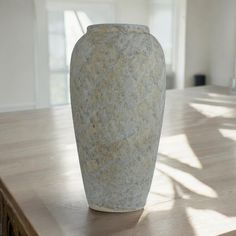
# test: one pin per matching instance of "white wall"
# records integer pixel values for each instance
(222, 41)
(42, 98)
(132, 11)
(211, 40)
(197, 39)
(16, 54)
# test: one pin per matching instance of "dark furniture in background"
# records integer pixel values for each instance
(199, 80)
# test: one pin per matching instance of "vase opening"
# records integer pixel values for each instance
(126, 28)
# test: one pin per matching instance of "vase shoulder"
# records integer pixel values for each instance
(125, 28)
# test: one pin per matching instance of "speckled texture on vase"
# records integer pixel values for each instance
(117, 95)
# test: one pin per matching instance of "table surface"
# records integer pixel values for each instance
(194, 185)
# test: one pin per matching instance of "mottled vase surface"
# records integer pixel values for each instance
(117, 95)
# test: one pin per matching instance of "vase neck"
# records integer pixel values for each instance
(123, 28)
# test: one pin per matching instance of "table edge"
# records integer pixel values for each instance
(7, 196)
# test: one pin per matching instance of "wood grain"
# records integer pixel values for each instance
(12, 219)
(194, 186)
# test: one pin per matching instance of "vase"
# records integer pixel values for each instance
(117, 83)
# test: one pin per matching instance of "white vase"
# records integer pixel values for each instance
(117, 97)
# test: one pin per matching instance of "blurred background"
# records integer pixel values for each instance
(37, 38)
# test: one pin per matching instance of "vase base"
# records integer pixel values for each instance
(104, 209)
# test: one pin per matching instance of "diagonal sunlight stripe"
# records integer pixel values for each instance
(210, 222)
(188, 181)
(228, 133)
(180, 150)
(211, 110)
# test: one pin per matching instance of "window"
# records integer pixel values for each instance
(65, 27)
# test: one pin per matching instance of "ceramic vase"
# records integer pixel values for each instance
(117, 82)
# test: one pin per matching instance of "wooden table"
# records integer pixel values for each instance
(194, 185)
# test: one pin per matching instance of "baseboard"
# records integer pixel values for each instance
(17, 107)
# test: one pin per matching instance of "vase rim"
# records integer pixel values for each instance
(125, 28)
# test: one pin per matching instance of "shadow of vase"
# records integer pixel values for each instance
(103, 223)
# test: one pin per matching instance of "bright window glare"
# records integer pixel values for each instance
(73, 32)
(65, 28)
(84, 19)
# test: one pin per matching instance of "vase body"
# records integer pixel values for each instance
(117, 83)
